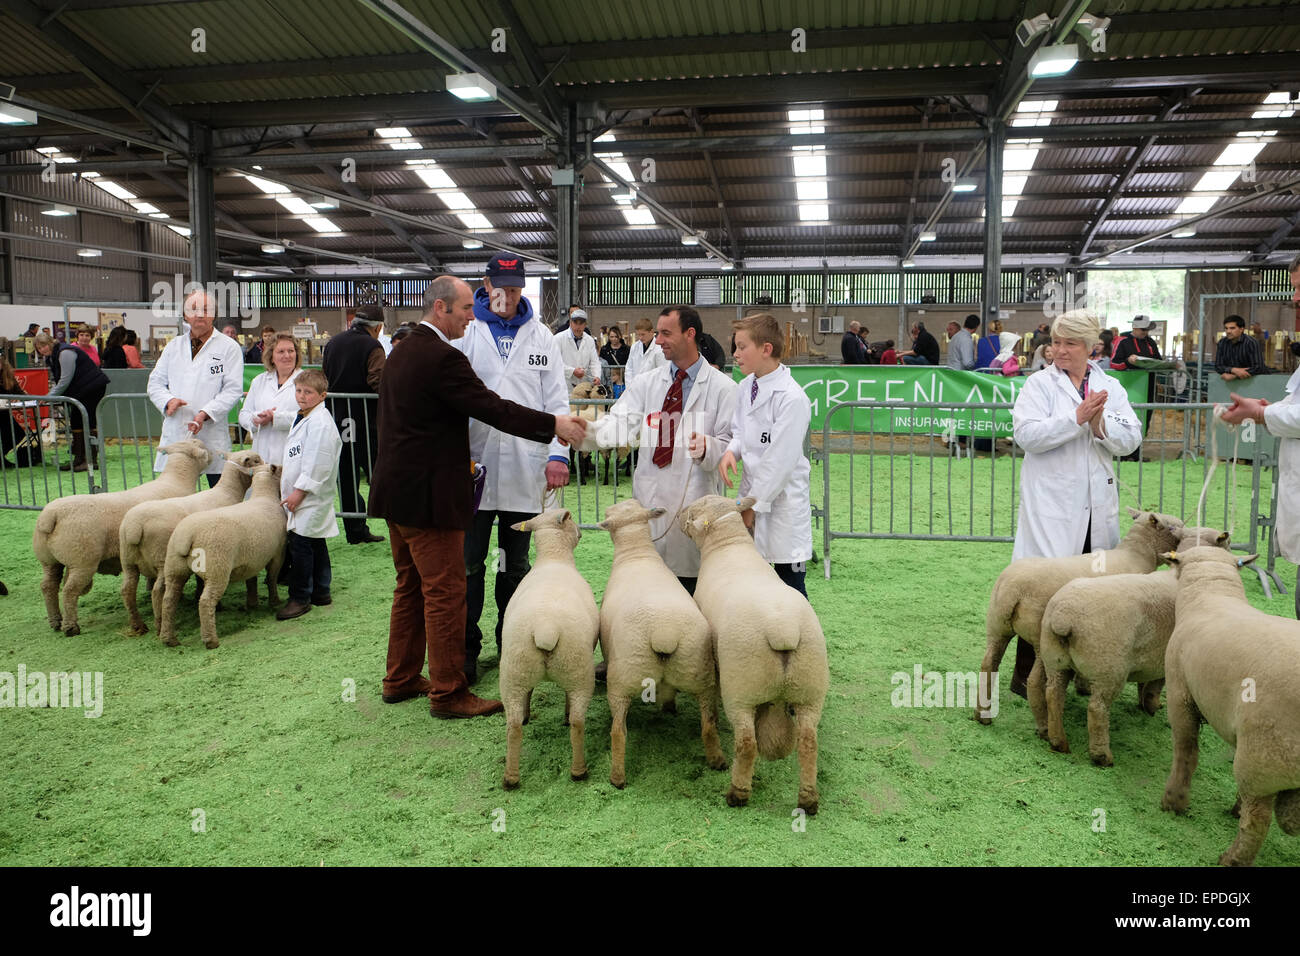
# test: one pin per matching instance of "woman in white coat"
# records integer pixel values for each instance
(1070, 419)
(199, 378)
(270, 407)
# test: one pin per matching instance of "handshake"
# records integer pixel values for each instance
(570, 429)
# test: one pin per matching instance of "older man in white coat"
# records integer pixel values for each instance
(1282, 420)
(1071, 419)
(199, 378)
(578, 351)
(682, 412)
(516, 356)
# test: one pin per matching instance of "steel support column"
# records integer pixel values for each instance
(994, 145)
(566, 216)
(203, 207)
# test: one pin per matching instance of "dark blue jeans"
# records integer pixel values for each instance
(511, 564)
(309, 578)
(914, 360)
(792, 577)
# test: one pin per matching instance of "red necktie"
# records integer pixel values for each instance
(663, 456)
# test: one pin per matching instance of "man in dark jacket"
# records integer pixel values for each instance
(852, 349)
(924, 350)
(1139, 343)
(353, 362)
(423, 488)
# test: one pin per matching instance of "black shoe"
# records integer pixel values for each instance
(366, 538)
(323, 601)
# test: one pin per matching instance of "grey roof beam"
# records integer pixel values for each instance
(516, 172)
(1269, 245)
(733, 237)
(529, 62)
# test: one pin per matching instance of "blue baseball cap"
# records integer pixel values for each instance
(506, 270)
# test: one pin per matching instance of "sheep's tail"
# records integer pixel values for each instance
(179, 545)
(545, 636)
(1001, 612)
(132, 534)
(664, 639)
(774, 728)
(1287, 810)
(46, 521)
(1054, 638)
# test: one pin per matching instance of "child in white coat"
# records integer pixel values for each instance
(311, 465)
(767, 434)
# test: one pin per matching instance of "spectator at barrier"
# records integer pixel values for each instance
(230, 332)
(85, 341)
(311, 463)
(578, 351)
(76, 376)
(873, 353)
(353, 362)
(132, 349)
(15, 436)
(888, 354)
(924, 350)
(421, 489)
(1237, 356)
(645, 354)
(401, 332)
(853, 350)
(1281, 419)
(271, 406)
(767, 435)
(1042, 357)
(257, 351)
(989, 346)
(1103, 350)
(961, 344)
(1070, 420)
(515, 356)
(614, 356)
(114, 354)
(198, 379)
(1042, 336)
(1139, 343)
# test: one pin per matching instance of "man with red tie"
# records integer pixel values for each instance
(680, 415)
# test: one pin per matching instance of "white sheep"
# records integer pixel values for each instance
(146, 529)
(588, 391)
(79, 533)
(1023, 589)
(1238, 670)
(549, 633)
(1110, 631)
(227, 544)
(769, 644)
(652, 635)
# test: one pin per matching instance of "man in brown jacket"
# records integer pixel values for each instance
(423, 488)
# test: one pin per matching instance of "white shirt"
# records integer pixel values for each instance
(212, 381)
(1282, 419)
(578, 355)
(642, 359)
(266, 392)
(311, 463)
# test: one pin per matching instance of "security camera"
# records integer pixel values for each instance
(1030, 28)
(7, 92)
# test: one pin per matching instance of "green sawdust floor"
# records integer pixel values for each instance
(258, 736)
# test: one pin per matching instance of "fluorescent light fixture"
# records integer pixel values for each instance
(159, 215)
(804, 116)
(323, 202)
(908, 264)
(393, 132)
(1239, 154)
(405, 144)
(814, 212)
(57, 210)
(800, 130)
(179, 230)
(605, 137)
(113, 189)
(266, 185)
(624, 194)
(1196, 204)
(1036, 106)
(810, 189)
(60, 158)
(90, 253)
(321, 224)
(1281, 96)
(456, 200)
(272, 249)
(89, 174)
(1216, 181)
(927, 237)
(690, 239)
(396, 272)
(436, 178)
(1185, 233)
(1054, 60)
(299, 207)
(145, 207)
(47, 149)
(471, 244)
(727, 266)
(471, 87)
(11, 115)
(810, 165)
(1103, 261)
(474, 220)
(640, 216)
(965, 186)
(244, 273)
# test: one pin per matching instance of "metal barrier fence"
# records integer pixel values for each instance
(916, 488)
(36, 452)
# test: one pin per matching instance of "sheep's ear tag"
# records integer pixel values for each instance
(522, 526)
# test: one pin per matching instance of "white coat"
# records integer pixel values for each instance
(533, 376)
(578, 356)
(768, 437)
(212, 381)
(641, 359)
(265, 392)
(311, 462)
(1282, 420)
(708, 410)
(1067, 478)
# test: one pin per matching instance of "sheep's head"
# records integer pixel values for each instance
(626, 512)
(583, 390)
(1161, 531)
(239, 468)
(701, 515)
(189, 448)
(556, 521)
(266, 480)
(1203, 557)
(1190, 538)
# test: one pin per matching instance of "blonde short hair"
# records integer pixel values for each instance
(762, 328)
(268, 355)
(1078, 324)
(644, 325)
(312, 378)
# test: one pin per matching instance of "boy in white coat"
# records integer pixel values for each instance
(311, 465)
(767, 434)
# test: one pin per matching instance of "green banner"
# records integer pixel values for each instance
(828, 385)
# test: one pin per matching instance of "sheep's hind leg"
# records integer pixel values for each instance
(713, 754)
(618, 706)
(1185, 722)
(576, 704)
(516, 715)
(742, 767)
(171, 600)
(77, 584)
(997, 646)
(1103, 695)
(212, 591)
(1057, 682)
(157, 591)
(50, 580)
(130, 598)
(805, 719)
(1256, 814)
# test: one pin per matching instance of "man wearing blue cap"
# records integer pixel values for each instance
(515, 356)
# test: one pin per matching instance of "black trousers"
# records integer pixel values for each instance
(510, 563)
(788, 574)
(357, 456)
